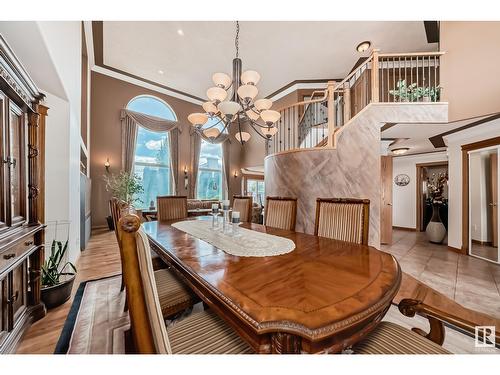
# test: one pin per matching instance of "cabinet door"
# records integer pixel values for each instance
(3, 309)
(16, 164)
(3, 155)
(18, 291)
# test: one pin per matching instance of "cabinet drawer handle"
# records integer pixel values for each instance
(9, 256)
(28, 243)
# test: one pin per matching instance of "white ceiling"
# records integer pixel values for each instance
(416, 136)
(280, 51)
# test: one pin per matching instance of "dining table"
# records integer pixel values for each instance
(322, 297)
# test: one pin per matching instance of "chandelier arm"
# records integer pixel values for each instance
(217, 123)
(258, 132)
(259, 125)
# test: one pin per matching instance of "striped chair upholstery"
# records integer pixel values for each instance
(243, 205)
(391, 338)
(281, 213)
(198, 334)
(172, 207)
(344, 219)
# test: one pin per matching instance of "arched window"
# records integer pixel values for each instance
(152, 151)
(210, 182)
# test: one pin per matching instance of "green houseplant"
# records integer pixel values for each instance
(412, 92)
(54, 290)
(124, 186)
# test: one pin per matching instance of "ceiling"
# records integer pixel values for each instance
(417, 136)
(281, 52)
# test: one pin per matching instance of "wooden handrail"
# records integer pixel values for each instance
(412, 54)
(340, 85)
(304, 102)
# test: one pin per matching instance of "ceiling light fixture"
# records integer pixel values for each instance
(241, 107)
(363, 46)
(400, 150)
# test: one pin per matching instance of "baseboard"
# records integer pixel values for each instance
(404, 228)
(457, 250)
(483, 243)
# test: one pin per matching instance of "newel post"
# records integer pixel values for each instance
(374, 76)
(331, 111)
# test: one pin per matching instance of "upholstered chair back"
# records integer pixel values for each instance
(281, 212)
(243, 205)
(147, 325)
(172, 207)
(115, 207)
(344, 219)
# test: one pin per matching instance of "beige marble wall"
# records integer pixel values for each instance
(350, 169)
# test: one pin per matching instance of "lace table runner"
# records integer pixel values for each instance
(248, 243)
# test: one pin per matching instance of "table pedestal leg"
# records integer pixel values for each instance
(285, 343)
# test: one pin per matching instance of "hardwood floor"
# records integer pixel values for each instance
(102, 259)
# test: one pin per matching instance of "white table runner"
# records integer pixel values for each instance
(248, 243)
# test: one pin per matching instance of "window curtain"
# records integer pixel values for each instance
(195, 161)
(173, 139)
(226, 157)
(130, 120)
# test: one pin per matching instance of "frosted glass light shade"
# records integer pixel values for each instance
(269, 131)
(210, 108)
(216, 94)
(221, 80)
(198, 119)
(254, 116)
(211, 133)
(242, 137)
(269, 116)
(250, 77)
(247, 92)
(229, 108)
(263, 104)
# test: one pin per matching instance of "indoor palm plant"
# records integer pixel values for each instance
(56, 291)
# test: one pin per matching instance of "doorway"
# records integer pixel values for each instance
(483, 203)
(428, 173)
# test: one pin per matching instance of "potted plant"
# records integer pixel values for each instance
(124, 186)
(54, 290)
(405, 93)
(435, 230)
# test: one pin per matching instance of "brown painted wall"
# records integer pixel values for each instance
(108, 97)
(470, 68)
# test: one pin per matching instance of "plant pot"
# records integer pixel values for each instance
(111, 225)
(56, 295)
(435, 231)
(426, 99)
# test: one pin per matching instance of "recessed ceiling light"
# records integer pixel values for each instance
(160, 71)
(363, 46)
(400, 150)
(180, 32)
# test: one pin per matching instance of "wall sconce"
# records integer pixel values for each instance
(235, 174)
(186, 178)
(107, 165)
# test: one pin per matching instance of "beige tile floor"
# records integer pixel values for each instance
(473, 283)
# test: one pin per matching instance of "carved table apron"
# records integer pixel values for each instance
(323, 297)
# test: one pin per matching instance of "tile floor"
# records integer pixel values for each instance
(473, 283)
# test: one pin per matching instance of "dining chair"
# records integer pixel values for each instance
(281, 213)
(174, 295)
(172, 207)
(199, 333)
(344, 219)
(243, 205)
(392, 338)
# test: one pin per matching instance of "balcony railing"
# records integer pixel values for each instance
(390, 77)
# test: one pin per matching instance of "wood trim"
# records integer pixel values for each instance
(299, 81)
(456, 250)
(404, 228)
(419, 196)
(432, 31)
(465, 185)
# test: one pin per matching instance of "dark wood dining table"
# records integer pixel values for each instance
(324, 296)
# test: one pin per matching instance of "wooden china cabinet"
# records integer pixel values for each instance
(22, 132)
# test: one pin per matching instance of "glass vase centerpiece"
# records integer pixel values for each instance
(235, 222)
(225, 215)
(215, 216)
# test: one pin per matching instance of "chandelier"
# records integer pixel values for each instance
(241, 107)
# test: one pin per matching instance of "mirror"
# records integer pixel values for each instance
(483, 203)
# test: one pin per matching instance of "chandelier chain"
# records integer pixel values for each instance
(237, 39)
